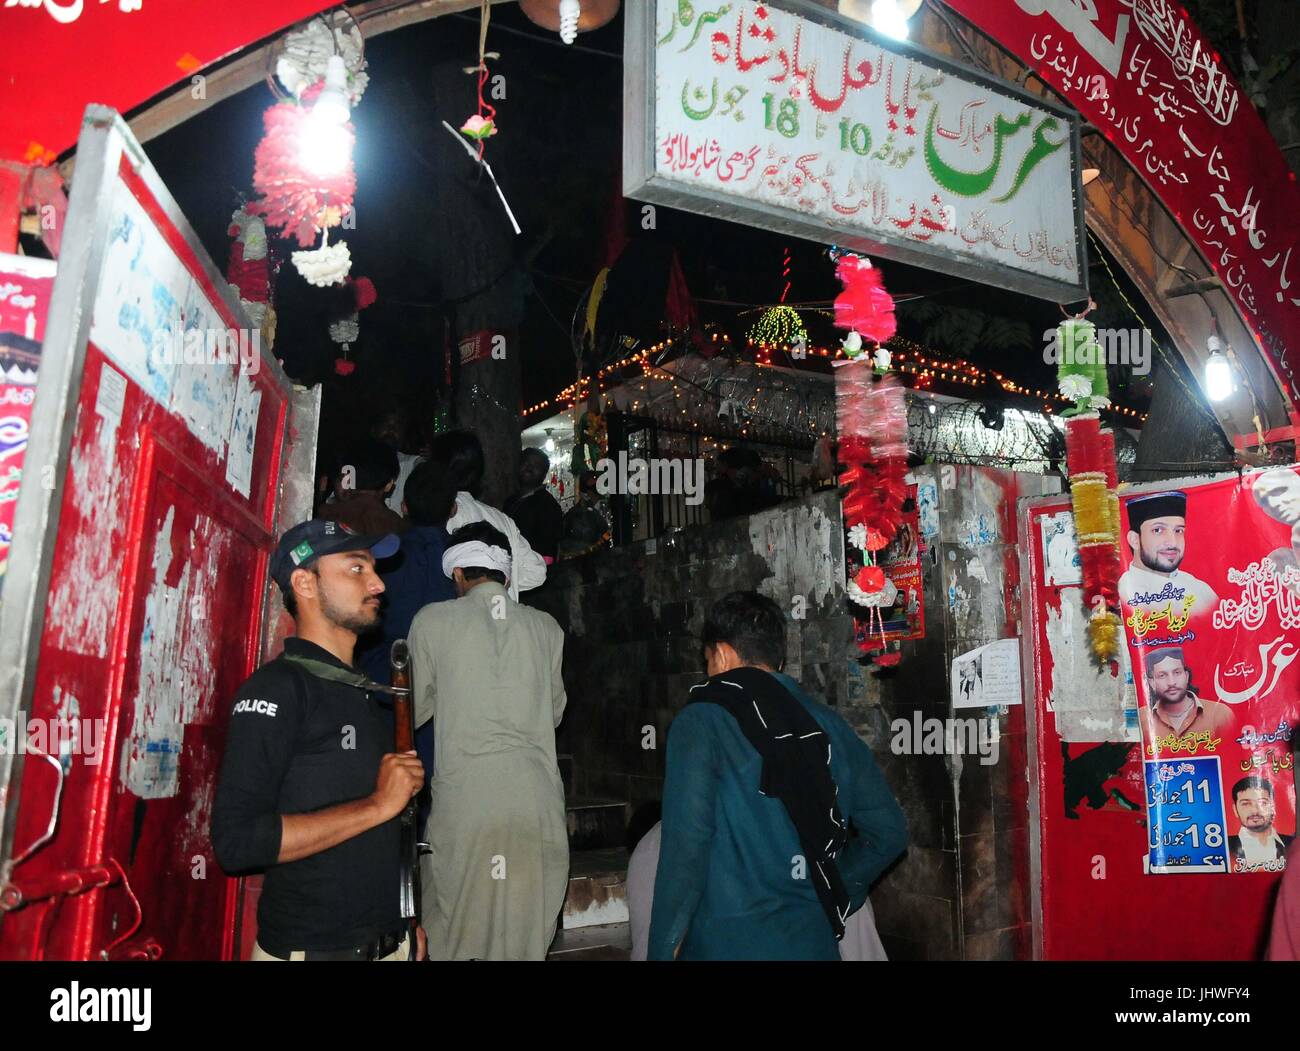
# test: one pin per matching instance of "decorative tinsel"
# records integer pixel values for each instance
(872, 424)
(1090, 461)
(1090, 457)
(864, 306)
(1081, 369)
(779, 325)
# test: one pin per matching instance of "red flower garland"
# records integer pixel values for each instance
(294, 200)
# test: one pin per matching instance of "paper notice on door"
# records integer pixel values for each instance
(987, 676)
(243, 436)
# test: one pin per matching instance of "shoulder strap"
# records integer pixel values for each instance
(795, 771)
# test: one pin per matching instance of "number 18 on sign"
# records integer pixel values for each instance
(1185, 816)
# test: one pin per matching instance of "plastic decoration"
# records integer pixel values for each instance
(298, 202)
(872, 425)
(864, 306)
(307, 52)
(1081, 368)
(327, 265)
(1090, 459)
(249, 271)
(346, 327)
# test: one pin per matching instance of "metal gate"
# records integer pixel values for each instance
(134, 603)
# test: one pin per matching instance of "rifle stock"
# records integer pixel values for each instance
(404, 741)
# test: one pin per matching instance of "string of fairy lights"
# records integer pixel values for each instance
(911, 359)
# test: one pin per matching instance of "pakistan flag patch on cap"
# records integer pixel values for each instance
(300, 552)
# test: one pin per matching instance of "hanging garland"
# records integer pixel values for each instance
(482, 124)
(871, 417)
(1090, 463)
(249, 271)
(303, 170)
(299, 199)
(346, 327)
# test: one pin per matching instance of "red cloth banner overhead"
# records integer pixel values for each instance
(1142, 72)
(1210, 598)
(61, 55)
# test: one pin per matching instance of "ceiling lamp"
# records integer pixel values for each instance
(1218, 372)
(570, 17)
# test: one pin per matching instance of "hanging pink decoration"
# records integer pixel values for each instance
(294, 198)
(864, 306)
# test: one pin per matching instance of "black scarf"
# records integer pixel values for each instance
(796, 770)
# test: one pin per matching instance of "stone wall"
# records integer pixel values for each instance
(632, 617)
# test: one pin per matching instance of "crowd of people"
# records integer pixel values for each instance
(775, 817)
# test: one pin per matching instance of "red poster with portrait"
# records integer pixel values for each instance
(1210, 599)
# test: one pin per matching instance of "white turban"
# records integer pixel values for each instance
(475, 553)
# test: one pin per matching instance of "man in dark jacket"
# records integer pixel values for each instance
(310, 788)
(535, 511)
(776, 818)
(363, 482)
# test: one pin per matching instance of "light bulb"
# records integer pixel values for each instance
(324, 146)
(332, 103)
(1218, 377)
(570, 12)
(886, 17)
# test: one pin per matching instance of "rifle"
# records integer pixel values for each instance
(399, 659)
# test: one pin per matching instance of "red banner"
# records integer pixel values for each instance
(1143, 73)
(61, 55)
(25, 286)
(1211, 605)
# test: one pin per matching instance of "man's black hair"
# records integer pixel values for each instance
(373, 465)
(752, 624)
(461, 453)
(489, 535)
(532, 451)
(429, 494)
(1246, 784)
(290, 598)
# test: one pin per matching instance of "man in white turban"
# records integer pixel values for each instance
(486, 670)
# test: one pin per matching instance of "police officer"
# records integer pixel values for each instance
(310, 789)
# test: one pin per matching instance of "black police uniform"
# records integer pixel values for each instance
(299, 743)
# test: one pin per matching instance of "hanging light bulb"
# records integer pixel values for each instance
(570, 12)
(332, 103)
(1218, 372)
(325, 145)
